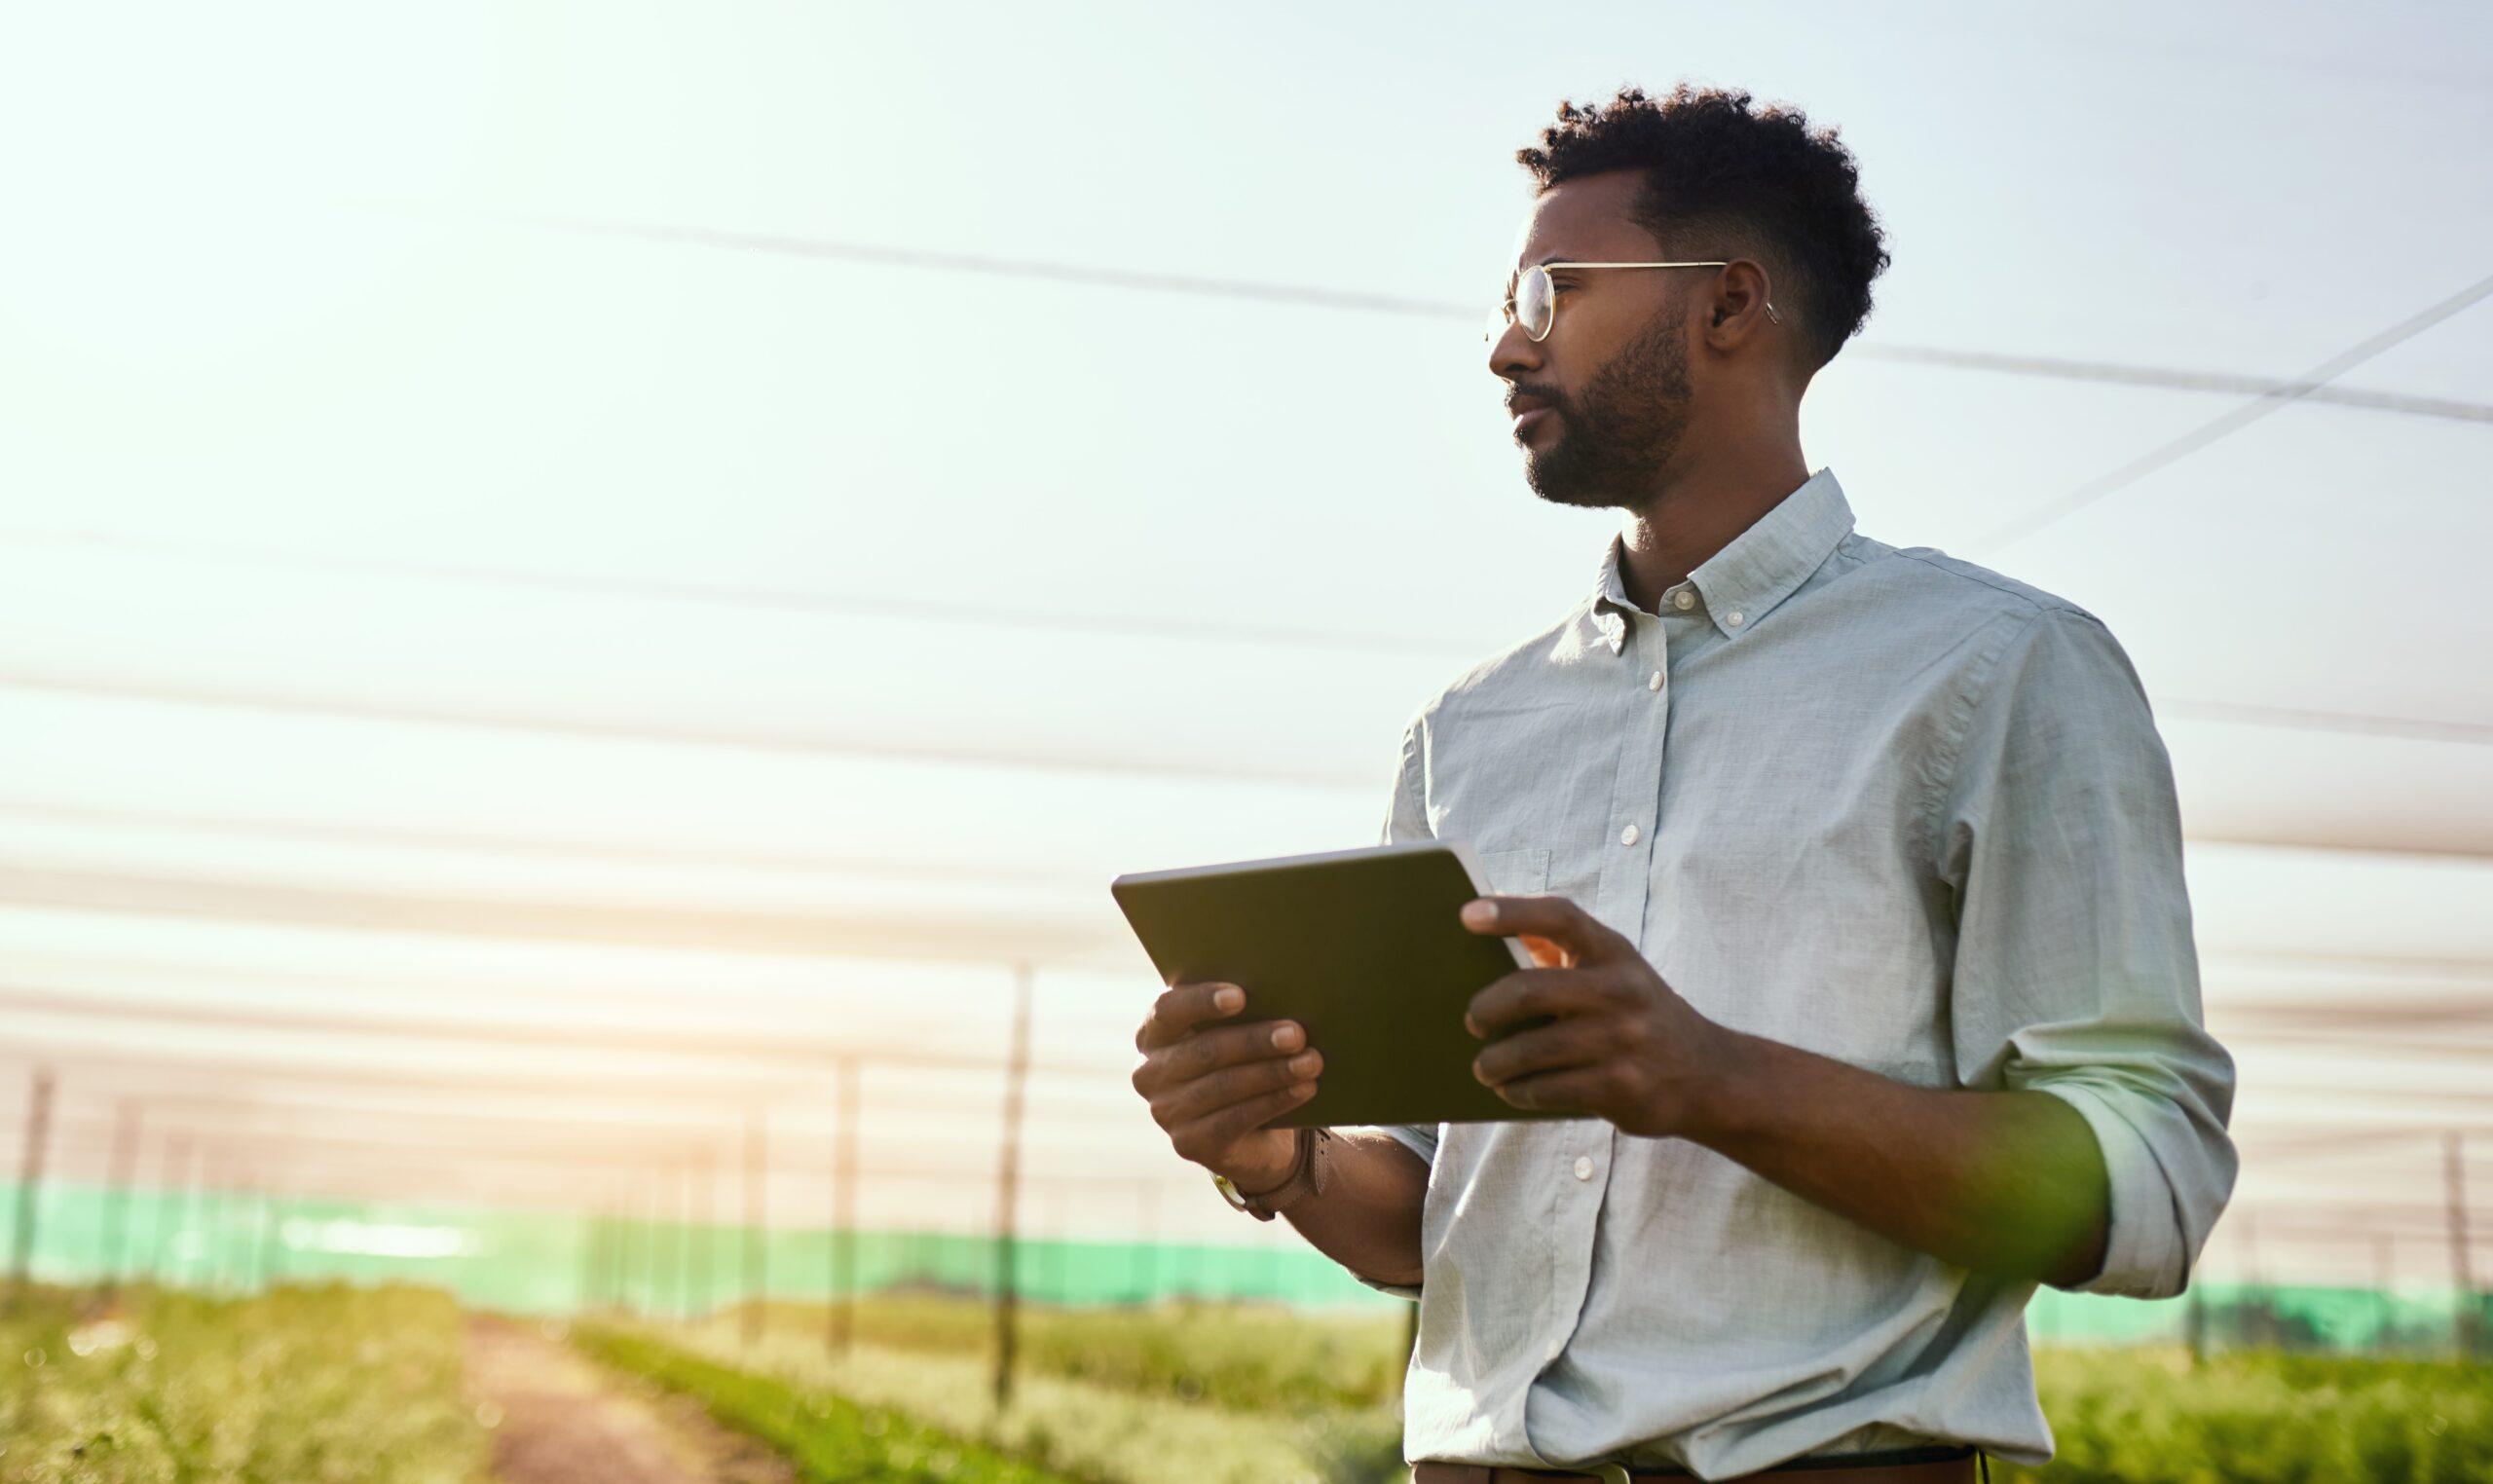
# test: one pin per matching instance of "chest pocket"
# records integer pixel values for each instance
(1515, 873)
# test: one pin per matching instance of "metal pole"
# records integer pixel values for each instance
(169, 1202)
(757, 1256)
(113, 1247)
(843, 1216)
(1008, 1177)
(2385, 1276)
(627, 1243)
(669, 1299)
(220, 1205)
(30, 1184)
(1146, 1246)
(2463, 1317)
(169, 1176)
(591, 1240)
(264, 1258)
(698, 1287)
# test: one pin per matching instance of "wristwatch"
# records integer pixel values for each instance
(1307, 1173)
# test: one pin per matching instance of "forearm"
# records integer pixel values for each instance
(2001, 1182)
(1368, 1217)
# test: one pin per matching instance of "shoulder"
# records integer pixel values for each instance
(1933, 575)
(1510, 674)
(1990, 619)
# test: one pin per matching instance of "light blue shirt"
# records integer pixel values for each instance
(1878, 803)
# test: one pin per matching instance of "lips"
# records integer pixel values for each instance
(1526, 418)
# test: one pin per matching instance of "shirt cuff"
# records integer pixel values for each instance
(2143, 1254)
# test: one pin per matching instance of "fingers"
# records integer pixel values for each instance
(1203, 1051)
(1202, 1096)
(1527, 1054)
(1553, 918)
(1532, 994)
(1209, 1136)
(1572, 1091)
(1182, 1008)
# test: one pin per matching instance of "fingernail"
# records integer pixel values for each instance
(1284, 1036)
(1305, 1063)
(1230, 998)
(1479, 912)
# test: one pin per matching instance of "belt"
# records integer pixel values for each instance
(1945, 1464)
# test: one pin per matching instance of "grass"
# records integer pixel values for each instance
(1080, 1428)
(2146, 1417)
(300, 1385)
(828, 1436)
(1247, 1356)
(1304, 1388)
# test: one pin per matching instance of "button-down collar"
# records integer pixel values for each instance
(1759, 568)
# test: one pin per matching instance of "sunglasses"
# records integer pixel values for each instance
(1534, 304)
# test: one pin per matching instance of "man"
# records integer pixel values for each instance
(1854, 878)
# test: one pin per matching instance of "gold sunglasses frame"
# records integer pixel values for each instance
(1505, 312)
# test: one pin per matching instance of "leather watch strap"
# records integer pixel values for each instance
(1308, 1175)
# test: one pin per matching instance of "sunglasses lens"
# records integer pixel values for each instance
(1533, 302)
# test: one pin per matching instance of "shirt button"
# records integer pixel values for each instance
(1628, 837)
(1683, 600)
(1583, 1168)
(1655, 683)
(1732, 618)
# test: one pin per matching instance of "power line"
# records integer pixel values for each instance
(988, 749)
(2159, 378)
(838, 931)
(914, 611)
(604, 853)
(994, 752)
(2269, 402)
(682, 1041)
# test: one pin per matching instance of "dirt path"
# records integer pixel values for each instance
(560, 1420)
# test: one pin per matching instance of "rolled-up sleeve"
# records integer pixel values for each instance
(2075, 973)
(1405, 819)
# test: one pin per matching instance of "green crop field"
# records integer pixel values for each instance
(319, 1386)
(309, 1385)
(1302, 1395)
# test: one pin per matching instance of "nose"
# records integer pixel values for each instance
(1513, 354)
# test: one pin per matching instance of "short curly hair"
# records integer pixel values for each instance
(1721, 180)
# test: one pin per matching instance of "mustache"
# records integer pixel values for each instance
(1548, 397)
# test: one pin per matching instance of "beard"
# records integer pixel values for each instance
(1616, 439)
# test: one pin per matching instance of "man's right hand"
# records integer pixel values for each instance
(1212, 1085)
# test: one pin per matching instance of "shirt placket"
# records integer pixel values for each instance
(1587, 1153)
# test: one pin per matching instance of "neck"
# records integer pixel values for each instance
(1702, 505)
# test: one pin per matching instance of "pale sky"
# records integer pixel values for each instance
(889, 612)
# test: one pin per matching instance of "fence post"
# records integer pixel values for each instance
(843, 1216)
(756, 1253)
(1006, 1178)
(2464, 1316)
(30, 1184)
(114, 1247)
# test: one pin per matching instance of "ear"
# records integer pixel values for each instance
(1742, 304)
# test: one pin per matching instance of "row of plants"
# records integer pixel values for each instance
(1077, 1427)
(319, 1386)
(1307, 1386)
(827, 1436)
(1255, 1358)
(2150, 1417)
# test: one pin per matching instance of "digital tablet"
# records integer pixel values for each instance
(1364, 950)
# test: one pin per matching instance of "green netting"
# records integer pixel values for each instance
(540, 1263)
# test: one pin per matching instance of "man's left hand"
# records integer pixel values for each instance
(1618, 1044)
